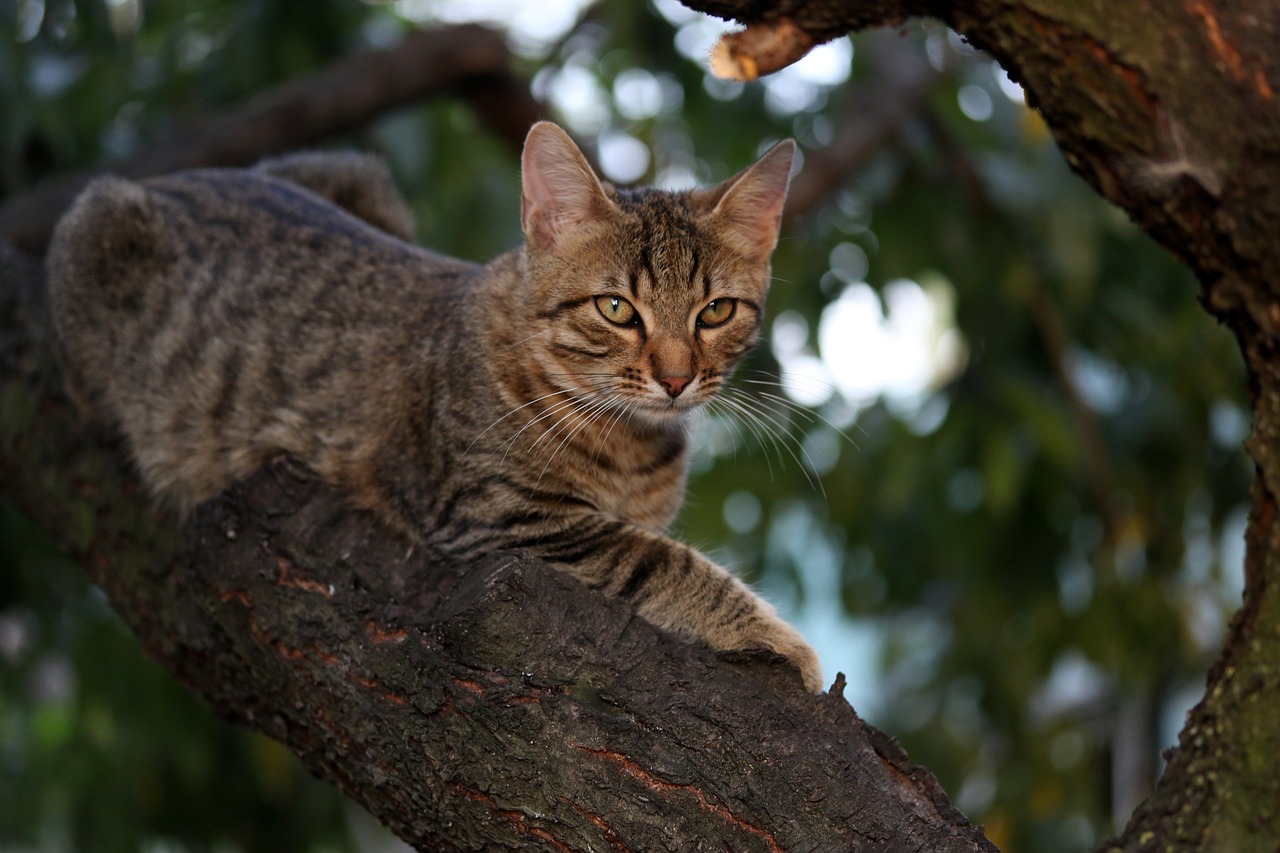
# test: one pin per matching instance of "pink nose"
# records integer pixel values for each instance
(674, 384)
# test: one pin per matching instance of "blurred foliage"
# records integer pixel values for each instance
(1023, 553)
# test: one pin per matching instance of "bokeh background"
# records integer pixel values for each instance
(988, 457)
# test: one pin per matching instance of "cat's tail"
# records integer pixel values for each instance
(359, 183)
(103, 253)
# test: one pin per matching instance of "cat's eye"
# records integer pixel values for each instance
(717, 313)
(617, 310)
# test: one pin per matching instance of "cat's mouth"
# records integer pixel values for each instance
(669, 408)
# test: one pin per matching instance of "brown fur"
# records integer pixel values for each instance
(220, 317)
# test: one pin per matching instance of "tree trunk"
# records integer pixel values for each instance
(1170, 111)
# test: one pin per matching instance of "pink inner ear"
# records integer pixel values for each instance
(561, 193)
(751, 208)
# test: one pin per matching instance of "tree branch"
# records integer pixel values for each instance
(499, 705)
(469, 61)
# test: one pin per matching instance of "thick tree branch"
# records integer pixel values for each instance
(470, 62)
(1113, 84)
(500, 705)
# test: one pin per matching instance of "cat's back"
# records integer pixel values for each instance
(220, 252)
(215, 316)
(120, 234)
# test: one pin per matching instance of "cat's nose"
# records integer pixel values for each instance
(674, 384)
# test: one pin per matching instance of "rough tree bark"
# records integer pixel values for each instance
(502, 706)
(1169, 110)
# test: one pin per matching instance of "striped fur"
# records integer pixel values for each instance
(220, 317)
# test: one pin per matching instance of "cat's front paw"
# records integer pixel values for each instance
(772, 633)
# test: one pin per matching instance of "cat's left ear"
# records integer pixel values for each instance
(750, 206)
(561, 193)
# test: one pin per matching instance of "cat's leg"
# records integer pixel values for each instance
(359, 183)
(675, 587)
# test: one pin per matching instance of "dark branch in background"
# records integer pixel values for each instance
(470, 62)
(1135, 753)
(1046, 316)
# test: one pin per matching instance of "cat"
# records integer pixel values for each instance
(220, 317)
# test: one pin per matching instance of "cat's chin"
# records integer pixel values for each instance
(666, 414)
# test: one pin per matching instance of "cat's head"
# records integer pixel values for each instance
(646, 298)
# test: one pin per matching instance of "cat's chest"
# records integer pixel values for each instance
(640, 481)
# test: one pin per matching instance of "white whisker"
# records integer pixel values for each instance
(526, 340)
(532, 402)
(809, 414)
(806, 464)
(588, 416)
(799, 408)
(623, 411)
(763, 433)
(552, 412)
(730, 418)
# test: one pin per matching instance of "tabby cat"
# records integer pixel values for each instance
(540, 402)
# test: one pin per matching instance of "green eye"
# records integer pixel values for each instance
(617, 310)
(717, 312)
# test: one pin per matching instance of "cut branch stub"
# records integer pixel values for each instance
(759, 49)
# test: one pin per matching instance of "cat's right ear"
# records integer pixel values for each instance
(561, 192)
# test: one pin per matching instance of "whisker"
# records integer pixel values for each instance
(549, 413)
(623, 411)
(517, 409)
(809, 414)
(747, 405)
(588, 416)
(799, 408)
(568, 426)
(526, 340)
(763, 435)
(595, 391)
(732, 422)
(807, 380)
